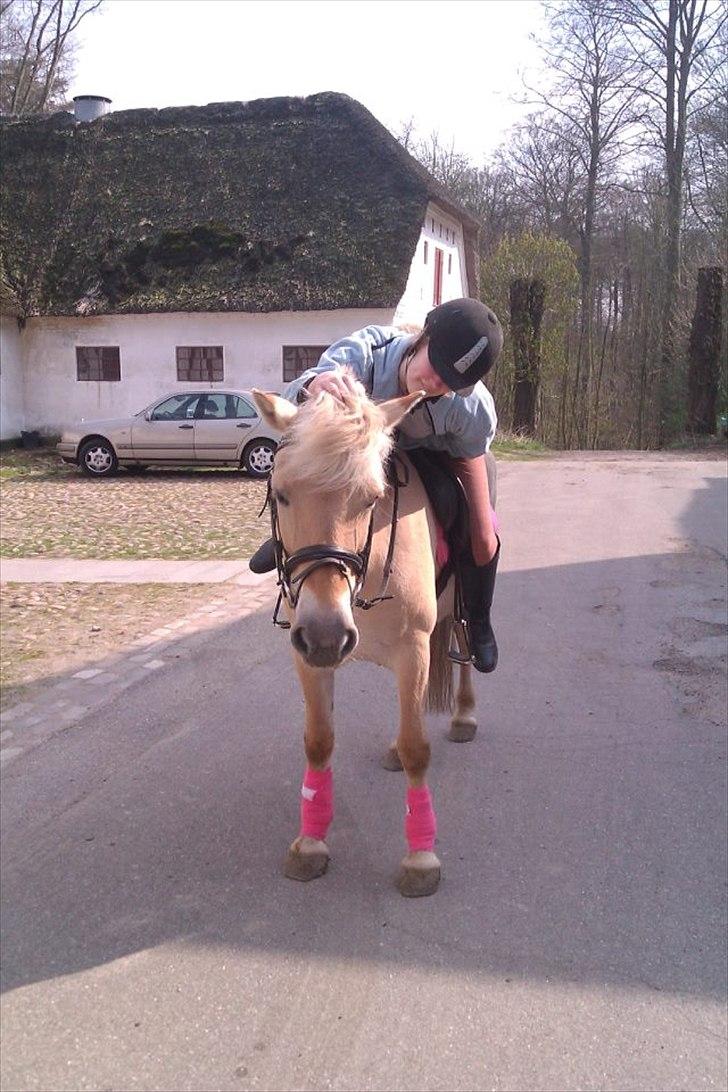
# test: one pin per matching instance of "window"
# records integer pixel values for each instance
(298, 358)
(437, 290)
(181, 407)
(100, 364)
(425, 251)
(240, 407)
(223, 407)
(199, 364)
(449, 264)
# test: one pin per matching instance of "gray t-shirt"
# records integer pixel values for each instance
(462, 426)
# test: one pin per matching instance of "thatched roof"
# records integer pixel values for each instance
(273, 205)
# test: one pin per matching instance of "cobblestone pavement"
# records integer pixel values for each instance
(160, 514)
(28, 724)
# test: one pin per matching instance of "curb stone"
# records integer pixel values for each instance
(32, 722)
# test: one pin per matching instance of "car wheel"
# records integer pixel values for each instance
(97, 458)
(258, 458)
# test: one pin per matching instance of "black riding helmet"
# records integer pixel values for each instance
(465, 340)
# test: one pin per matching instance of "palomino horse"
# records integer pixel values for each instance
(333, 522)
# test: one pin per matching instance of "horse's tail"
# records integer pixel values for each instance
(439, 683)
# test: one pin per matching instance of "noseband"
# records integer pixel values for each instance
(353, 565)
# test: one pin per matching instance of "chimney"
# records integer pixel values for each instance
(90, 107)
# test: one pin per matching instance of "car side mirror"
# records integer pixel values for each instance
(148, 415)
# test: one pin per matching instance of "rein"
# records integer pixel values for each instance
(353, 565)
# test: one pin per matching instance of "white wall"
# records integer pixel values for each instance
(442, 231)
(12, 417)
(252, 352)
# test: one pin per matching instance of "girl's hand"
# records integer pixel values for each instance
(340, 384)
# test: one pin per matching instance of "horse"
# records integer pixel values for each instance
(347, 539)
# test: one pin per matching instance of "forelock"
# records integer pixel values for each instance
(331, 446)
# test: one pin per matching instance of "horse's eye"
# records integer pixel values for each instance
(281, 498)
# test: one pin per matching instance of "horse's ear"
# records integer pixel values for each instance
(278, 412)
(396, 408)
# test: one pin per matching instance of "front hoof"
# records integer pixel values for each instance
(391, 760)
(463, 730)
(419, 875)
(307, 859)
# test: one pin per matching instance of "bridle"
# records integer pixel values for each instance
(352, 564)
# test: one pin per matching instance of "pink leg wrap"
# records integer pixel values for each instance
(420, 824)
(317, 803)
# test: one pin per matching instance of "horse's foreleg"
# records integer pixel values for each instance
(420, 869)
(308, 856)
(463, 725)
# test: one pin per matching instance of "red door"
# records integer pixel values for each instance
(437, 294)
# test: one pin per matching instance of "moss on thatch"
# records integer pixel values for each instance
(279, 204)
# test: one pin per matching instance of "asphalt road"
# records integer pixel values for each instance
(578, 937)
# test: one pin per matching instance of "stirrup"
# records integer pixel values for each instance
(453, 651)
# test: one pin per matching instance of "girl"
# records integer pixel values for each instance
(460, 342)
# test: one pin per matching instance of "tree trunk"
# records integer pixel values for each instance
(527, 303)
(705, 337)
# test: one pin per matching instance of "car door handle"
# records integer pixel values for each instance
(243, 425)
(185, 426)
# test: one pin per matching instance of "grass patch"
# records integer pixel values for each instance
(52, 630)
(690, 442)
(512, 446)
(17, 462)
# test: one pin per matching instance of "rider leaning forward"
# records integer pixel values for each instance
(460, 342)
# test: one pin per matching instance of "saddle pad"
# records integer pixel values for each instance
(442, 548)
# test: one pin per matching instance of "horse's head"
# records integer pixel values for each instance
(327, 477)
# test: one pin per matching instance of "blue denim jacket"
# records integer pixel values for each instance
(462, 426)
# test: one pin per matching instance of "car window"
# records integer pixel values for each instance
(211, 407)
(180, 407)
(218, 406)
(240, 407)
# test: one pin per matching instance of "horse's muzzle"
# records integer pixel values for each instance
(324, 642)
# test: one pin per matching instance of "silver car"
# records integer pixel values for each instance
(196, 428)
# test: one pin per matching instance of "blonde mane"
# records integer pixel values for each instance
(332, 446)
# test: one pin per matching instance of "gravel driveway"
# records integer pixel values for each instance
(51, 511)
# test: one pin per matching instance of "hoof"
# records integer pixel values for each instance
(463, 731)
(419, 875)
(391, 760)
(307, 859)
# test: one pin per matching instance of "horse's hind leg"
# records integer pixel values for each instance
(308, 856)
(420, 869)
(463, 725)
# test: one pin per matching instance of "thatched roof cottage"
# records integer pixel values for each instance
(227, 243)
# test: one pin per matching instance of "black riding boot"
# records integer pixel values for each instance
(478, 582)
(264, 558)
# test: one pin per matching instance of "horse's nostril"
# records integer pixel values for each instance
(349, 642)
(298, 640)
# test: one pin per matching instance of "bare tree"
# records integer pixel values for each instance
(590, 92)
(544, 177)
(675, 43)
(705, 338)
(36, 40)
(706, 158)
